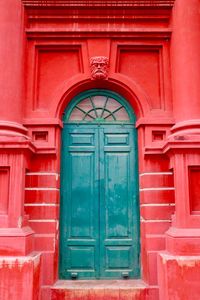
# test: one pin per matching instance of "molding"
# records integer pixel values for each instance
(155, 173)
(49, 122)
(63, 34)
(43, 174)
(16, 232)
(99, 3)
(157, 189)
(13, 127)
(155, 121)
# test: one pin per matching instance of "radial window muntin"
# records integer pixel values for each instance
(99, 106)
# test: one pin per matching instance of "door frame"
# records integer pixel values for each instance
(131, 114)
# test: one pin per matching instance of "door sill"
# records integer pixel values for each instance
(100, 284)
(127, 289)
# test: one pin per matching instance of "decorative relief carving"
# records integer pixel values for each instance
(99, 66)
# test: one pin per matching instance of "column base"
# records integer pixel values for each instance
(178, 276)
(16, 241)
(20, 277)
(183, 241)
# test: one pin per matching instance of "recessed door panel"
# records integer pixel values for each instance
(82, 185)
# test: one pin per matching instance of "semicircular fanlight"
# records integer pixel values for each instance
(99, 109)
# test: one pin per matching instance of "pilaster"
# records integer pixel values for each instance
(182, 255)
(16, 238)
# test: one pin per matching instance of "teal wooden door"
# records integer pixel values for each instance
(99, 215)
(99, 223)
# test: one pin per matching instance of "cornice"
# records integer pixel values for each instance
(99, 3)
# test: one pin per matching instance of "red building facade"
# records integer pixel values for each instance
(153, 54)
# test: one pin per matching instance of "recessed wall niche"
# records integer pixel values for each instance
(194, 189)
(143, 64)
(4, 189)
(54, 65)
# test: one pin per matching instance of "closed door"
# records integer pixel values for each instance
(99, 219)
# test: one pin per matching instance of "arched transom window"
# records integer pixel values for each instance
(98, 106)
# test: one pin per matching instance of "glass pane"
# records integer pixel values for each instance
(91, 114)
(76, 115)
(112, 104)
(99, 108)
(85, 104)
(110, 118)
(99, 101)
(122, 115)
(88, 118)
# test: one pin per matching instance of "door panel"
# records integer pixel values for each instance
(117, 211)
(79, 227)
(116, 194)
(99, 217)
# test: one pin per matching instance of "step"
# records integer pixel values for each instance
(99, 290)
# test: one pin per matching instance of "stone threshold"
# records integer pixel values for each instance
(126, 289)
(100, 284)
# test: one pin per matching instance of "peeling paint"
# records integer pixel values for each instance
(187, 263)
(19, 261)
(19, 223)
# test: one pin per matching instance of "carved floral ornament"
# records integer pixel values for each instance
(99, 66)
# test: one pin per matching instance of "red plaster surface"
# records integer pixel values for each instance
(154, 57)
(100, 290)
(179, 277)
(18, 273)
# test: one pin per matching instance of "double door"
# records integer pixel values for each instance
(99, 219)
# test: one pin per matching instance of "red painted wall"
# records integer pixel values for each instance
(154, 55)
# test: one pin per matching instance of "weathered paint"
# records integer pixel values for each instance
(23, 275)
(97, 290)
(154, 60)
(99, 198)
(177, 272)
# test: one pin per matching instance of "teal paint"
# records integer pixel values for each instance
(99, 215)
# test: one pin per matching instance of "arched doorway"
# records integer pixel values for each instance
(99, 215)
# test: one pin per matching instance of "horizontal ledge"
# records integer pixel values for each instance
(34, 256)
(41, 204)
(100, 284)
(183, 232)
(166, 256)
(155, 120)
(41, 189)
(16, 232)
(142, 220)
(99, 3)
(49, 122)
(78, 31)
(72, 16)
(158, 189)
(155, 173)
(42, 174)
(51, 235)
(44, 220)
(45, 150)
(157, 204)
(153, 235)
